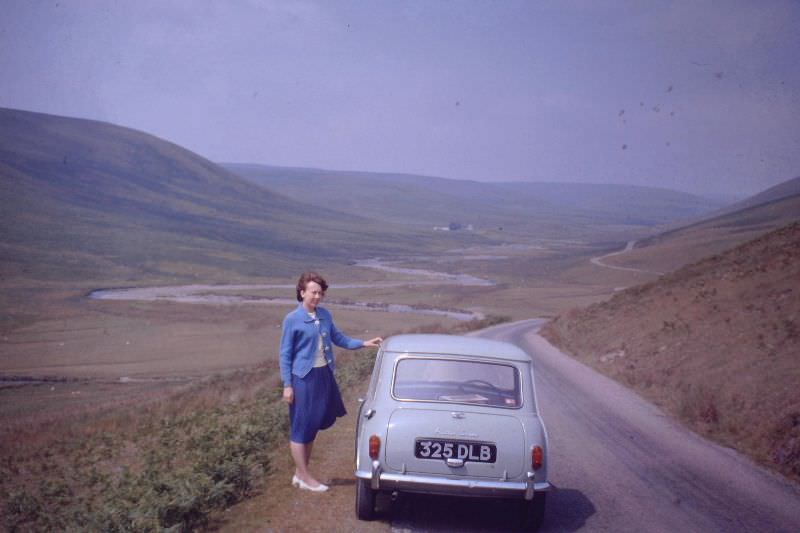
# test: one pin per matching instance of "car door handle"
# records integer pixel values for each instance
(455, 462)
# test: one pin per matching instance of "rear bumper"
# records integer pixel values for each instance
(388, 481)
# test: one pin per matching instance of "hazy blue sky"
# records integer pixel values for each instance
(693, 95)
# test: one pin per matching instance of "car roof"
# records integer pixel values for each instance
(436, 344)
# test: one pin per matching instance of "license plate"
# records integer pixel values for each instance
(478, 452)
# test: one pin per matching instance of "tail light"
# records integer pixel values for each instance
(537, 456)
(374, 446)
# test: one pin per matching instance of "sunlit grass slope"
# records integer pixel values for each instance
(82, 199)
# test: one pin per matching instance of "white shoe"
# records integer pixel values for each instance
(300, 484)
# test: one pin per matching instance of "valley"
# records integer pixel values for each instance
(86, 344)
(142, 289)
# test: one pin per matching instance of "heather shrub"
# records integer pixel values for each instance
(168, 472)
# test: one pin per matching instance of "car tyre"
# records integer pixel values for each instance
(365, 500)
(533, 512)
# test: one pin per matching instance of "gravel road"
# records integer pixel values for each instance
(618, 464)
(599, 261)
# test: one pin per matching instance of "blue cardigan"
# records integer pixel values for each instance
(299, 339)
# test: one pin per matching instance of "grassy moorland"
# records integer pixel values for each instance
(83, 200)
(165, 464)
(170, 463)
(147, 415)
(87, 200)
(716, 343)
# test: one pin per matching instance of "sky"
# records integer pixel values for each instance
(691, 95)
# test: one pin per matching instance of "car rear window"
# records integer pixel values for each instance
(457, 381)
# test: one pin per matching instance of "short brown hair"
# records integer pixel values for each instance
(305, 277)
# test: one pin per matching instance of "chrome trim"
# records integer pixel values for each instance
(467, 359)
(460, 487)
(529, 486)
(375, 478)
(464, 487)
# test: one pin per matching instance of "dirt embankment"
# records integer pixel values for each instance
(716, 343)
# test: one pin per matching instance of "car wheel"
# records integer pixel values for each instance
(533, 512)
(365, 500)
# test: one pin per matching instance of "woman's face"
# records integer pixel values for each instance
(312, 296)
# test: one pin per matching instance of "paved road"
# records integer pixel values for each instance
(618, 464)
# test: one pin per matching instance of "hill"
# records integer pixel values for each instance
(88, 200)
(545, 210)
(716, 343)
(745, 220)
(780, 191)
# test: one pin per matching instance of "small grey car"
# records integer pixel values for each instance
(453, 415)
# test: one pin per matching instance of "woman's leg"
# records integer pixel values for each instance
(306, 451)
(309, 447)
(301, 453)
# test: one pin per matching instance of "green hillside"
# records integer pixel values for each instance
(752, 218)
(551, 210)
(90, 200)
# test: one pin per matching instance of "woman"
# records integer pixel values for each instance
(306, 361)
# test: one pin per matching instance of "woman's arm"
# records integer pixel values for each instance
(342, 340)
(286, 354)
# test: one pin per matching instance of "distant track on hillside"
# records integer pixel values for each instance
(620, 464)
(599, 260)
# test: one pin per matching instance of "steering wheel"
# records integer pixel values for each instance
(480, 382)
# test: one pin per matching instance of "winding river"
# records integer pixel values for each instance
(209, 294)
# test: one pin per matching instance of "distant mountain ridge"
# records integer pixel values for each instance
(89, 199)
(554, 210)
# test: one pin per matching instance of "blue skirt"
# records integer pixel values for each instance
(316, 406)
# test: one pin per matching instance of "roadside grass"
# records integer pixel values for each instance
(171, 464)
(163, 466)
